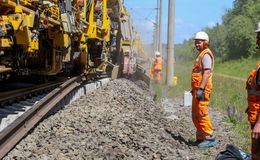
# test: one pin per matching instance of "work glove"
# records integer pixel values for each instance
(200, 94)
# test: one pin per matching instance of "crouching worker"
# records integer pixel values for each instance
(201, 83)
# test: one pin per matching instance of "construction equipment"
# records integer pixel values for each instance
(49, 37)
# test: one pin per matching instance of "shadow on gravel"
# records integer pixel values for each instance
(179, 138)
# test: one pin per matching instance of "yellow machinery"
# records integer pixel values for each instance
(47, 37)
(127, 46)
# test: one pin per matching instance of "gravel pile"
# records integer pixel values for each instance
(119, 121)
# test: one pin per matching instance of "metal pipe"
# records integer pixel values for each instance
(155, 38)
(160, 28)
(170, 45)
(157, 28)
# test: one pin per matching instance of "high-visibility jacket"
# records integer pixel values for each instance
(253, 110)
(200, 115)
(253, 91)
(158, 63)
(197, 72)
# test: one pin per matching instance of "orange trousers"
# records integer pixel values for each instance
(200, 117)
(157, 73)
(255, 147)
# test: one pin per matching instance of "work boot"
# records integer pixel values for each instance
(197, 142)
(207, 142)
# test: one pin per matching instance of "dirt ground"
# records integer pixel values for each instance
(121, 121)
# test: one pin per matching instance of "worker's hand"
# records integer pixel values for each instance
(256, 131)
(200, 94)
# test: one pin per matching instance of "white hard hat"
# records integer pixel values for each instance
(157, 53)
(202, 36)
(258, 27)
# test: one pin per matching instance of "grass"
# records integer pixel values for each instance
(238, 68)
(225, 91)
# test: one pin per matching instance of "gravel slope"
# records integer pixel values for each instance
(120, 121)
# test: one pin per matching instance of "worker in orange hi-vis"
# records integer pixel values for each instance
(157, 67)
(253, 110)
(201, 83)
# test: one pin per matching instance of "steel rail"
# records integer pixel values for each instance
(15, 94)
(12, 134)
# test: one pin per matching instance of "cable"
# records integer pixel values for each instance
(147, 18)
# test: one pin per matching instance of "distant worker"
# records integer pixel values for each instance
(253, 110)
(201, 83)
(157, 66)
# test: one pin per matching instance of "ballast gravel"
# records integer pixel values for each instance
(120, 121)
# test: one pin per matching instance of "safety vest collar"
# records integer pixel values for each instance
(198, 68)
(198, 115)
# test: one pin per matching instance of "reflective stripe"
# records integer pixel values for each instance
(253, 92)
(197, 71)
(200, 71)
(204, 100)
(197, 115)
(203, 134)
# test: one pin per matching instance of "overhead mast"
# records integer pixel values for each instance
(170, 45)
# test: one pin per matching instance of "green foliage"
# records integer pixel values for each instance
(240, 37)
(218, 43)
(232, 119)
(242, 137)
(238, 68)
(228, 91)
(185, 53)
(235, 37)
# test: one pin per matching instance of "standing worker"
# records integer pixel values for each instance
(157, 66)
(253, 110)
(201, 83)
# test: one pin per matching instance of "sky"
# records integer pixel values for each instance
(191, 16)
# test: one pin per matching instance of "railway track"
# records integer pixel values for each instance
(21, 93)
(30, 105)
